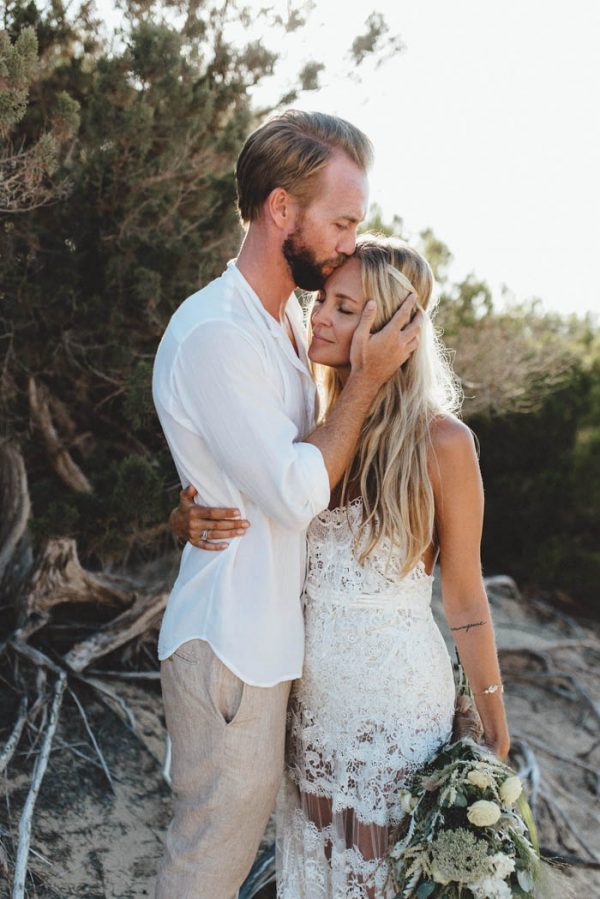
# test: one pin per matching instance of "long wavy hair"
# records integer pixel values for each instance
(390, 467)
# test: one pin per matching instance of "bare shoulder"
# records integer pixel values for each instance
(450, 437)
(453, 455)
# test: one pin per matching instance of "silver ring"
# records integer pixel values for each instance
(204, 535)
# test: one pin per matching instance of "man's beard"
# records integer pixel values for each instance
(305, 269)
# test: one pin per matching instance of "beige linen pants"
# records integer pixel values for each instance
(228, 742)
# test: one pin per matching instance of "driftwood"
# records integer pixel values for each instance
(13, 741)
(16, 505)
(132, 623)
(38, 775)
(61, 460)
(60, 578)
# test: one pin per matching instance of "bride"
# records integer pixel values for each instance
(376, 699)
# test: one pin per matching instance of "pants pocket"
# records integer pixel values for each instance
(227, 690)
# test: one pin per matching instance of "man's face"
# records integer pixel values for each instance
(324, 234)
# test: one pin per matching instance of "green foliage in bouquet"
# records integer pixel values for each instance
(463, 835)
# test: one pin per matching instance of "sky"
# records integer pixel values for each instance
(486, 128)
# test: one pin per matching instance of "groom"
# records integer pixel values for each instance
(237, 403)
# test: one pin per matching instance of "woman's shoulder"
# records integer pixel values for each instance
(449, 434)
(452, 446)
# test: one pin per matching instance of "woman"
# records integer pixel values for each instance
(376, 699)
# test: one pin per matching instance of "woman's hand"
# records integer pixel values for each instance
(498, 743)
(202, 525)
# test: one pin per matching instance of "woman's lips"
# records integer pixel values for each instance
(321, 339)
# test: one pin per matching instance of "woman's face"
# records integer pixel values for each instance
(336, 313)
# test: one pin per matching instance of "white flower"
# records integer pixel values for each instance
(511, 789)
(479, 779)
(407, 801)
(526, 881)
(490, 888)
(502, 865)
(483, 813)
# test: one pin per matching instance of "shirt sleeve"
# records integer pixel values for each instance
(228, 399)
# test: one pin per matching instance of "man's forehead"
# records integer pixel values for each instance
(344, 189)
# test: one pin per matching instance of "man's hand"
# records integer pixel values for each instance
(200, 525)
(375, 357)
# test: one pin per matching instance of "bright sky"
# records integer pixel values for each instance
(486, 128)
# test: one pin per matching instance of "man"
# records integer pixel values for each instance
(237, 404)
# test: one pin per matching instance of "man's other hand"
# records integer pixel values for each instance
(203, 526)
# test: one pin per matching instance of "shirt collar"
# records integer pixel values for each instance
(275, 328)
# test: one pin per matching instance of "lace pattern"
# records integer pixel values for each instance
(376, 700)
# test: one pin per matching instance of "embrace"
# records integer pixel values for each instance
(300, 663)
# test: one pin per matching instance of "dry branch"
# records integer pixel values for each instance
(38, 775)
(90, 732)
(16, 504)
(543, 747)
(61, 460)
(127, 675)
(118, 705)
(13, 741)
(35, 656)
(60, 578)
(125, 627)
(558, 810)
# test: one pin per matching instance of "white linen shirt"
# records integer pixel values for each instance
(234, 401)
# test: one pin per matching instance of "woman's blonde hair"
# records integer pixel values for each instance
(390, 470)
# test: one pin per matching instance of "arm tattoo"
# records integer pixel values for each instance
(467, 627)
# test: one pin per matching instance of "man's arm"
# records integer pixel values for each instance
(224, 391)
(231, 404)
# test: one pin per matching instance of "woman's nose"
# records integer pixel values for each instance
(320, 314)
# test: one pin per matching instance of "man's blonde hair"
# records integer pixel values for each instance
(289, 151)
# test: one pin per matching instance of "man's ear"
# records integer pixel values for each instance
(281, 208)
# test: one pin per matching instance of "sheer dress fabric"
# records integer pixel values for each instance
(376, 700)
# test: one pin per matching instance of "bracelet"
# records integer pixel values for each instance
(493, 688)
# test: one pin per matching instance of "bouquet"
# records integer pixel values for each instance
(468, 833)
(463, 836)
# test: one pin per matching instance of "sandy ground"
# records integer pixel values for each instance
(92, 842)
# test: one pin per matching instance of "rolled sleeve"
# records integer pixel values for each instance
(226, 393)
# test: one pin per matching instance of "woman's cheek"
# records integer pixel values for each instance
(348, 335)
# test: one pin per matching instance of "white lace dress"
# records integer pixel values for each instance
(376, 700)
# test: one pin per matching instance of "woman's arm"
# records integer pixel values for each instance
(458, 492)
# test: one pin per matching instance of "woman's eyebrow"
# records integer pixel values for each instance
(344, 296)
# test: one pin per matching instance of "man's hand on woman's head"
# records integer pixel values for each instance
(376, 357)
(205, 527)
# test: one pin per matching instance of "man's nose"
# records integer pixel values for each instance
(347, 244)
